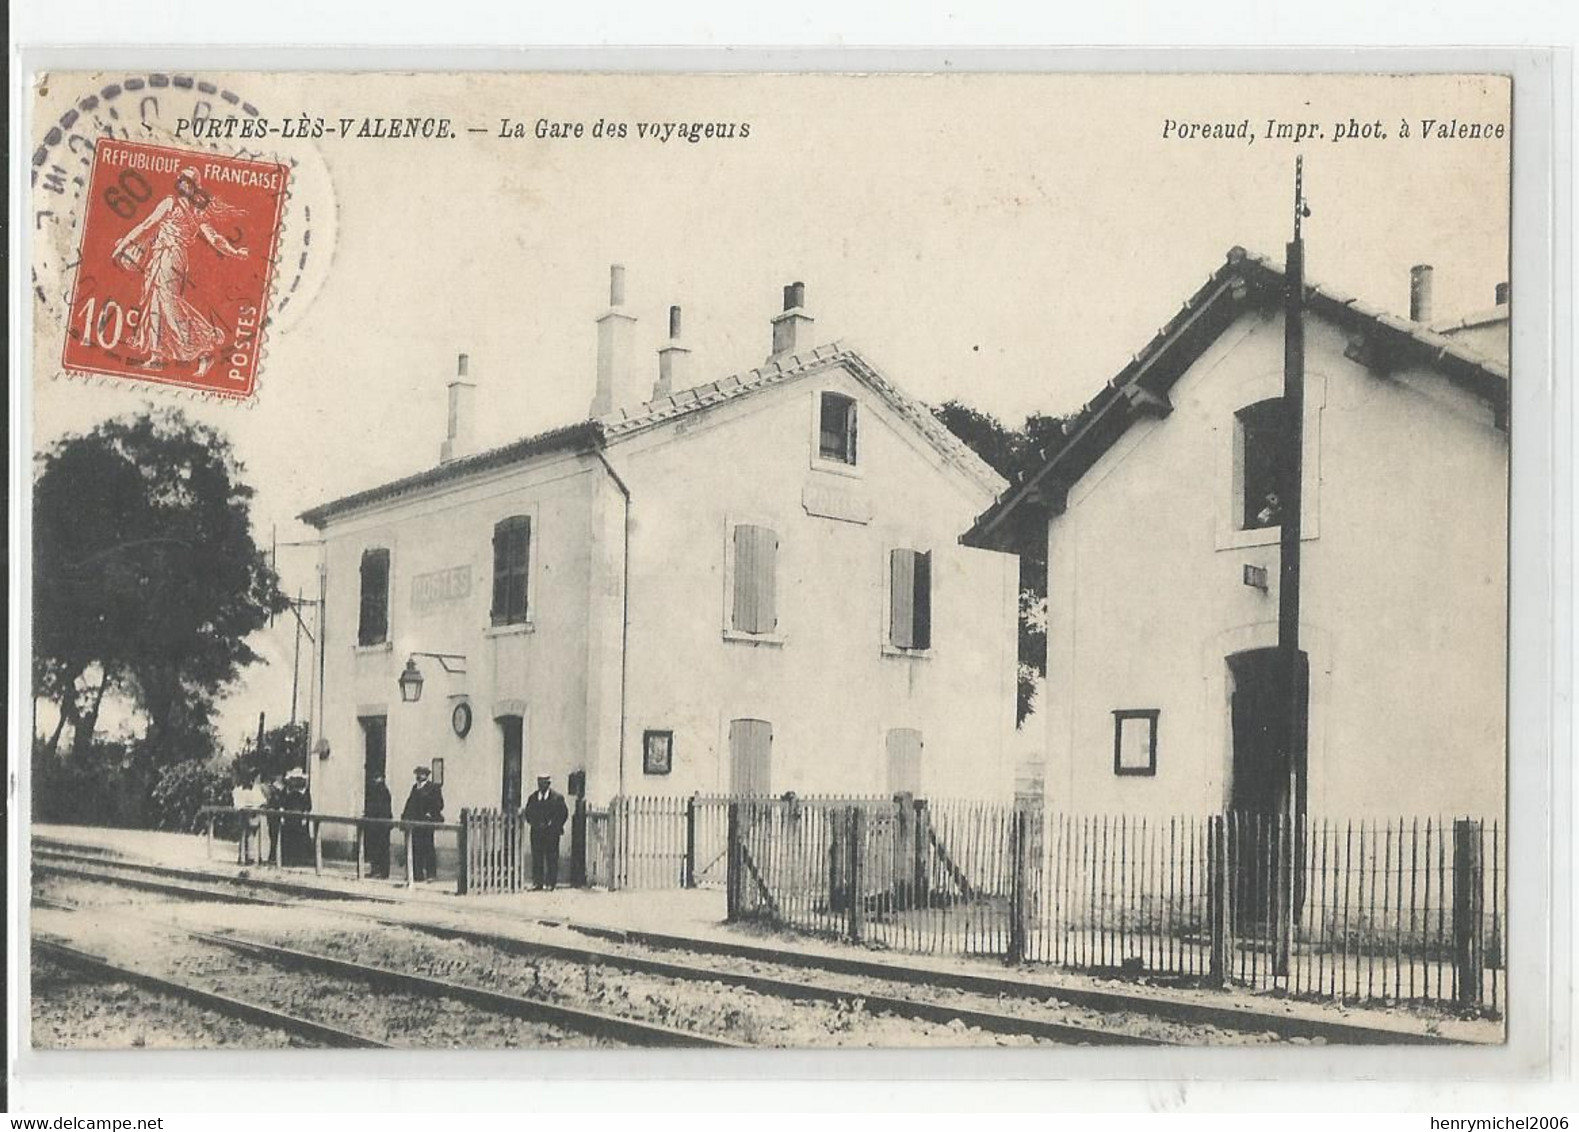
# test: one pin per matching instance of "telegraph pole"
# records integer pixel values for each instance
(1293, 662)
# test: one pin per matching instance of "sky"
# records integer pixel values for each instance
(1005, 240)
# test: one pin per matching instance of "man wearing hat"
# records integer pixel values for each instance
(424, 803)
(296, 844)
(546, 815)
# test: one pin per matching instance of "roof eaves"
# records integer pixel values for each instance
(581, 435)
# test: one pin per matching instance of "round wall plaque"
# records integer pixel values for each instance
(461, 718)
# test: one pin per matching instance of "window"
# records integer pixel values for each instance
(1135, 741)
(750, 756)
(754, 606)
(437, 768)
(372, 627)
(836, 428)
(512, 539)
(657, 752)
(1261, 464)
(910, 599)
(904, 761)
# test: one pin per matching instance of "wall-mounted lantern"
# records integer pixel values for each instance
(411, 679)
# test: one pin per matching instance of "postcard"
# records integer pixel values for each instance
(536, 560)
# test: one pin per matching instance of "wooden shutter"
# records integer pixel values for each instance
(750, 756)
(373, 623)
(904, 761)
(756, 568)
(512, 545)
(901, 598)
(910, 599)
(849, 433)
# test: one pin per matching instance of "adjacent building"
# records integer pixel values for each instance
(750, 585)
(1162, 518)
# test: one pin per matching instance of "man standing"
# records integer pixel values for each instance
(375, 837)
(247, 799)
(546, 815)
(425, 803)
(297, 845)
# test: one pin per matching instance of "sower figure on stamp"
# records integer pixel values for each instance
(375, 838)
(546, 815)
(170, 328)
(297, 846)
(425, 803)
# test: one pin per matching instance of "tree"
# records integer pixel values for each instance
(284, 748)
(1016, 454)
(147, 581)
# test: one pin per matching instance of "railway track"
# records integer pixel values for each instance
(788, 986)
(993, 1005)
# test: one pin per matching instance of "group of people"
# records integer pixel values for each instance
(289, 838)
(425, 803)
(546, 815)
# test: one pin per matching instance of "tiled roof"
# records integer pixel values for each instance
(623, 423)
(1141, 388)
(614, 427)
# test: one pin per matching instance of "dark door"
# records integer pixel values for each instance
(374, 750)
(510, 775)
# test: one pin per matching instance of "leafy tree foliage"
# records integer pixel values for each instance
(147, 581)
(283, 748)
(1016, 454)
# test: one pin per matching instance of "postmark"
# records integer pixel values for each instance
(172, 280)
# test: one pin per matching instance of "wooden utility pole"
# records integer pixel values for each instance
(1293, 665)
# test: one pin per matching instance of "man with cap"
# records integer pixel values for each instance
(546, 815)
(296, 844)
(424, 803)
(375, 836)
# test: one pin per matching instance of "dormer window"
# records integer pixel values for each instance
(836, 428)
(1261, 465)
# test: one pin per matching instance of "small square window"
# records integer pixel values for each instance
(657, 755)
(836, 428)
(1135, 741)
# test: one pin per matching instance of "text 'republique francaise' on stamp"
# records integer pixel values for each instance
(175, 266)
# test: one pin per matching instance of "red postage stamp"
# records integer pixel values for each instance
(172, 285)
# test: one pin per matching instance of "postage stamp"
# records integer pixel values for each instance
(172, 282)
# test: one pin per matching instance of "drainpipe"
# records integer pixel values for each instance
(625, 599)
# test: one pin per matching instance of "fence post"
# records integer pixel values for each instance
(1468, 937)
(318, 848)
(411, 857)
(857, 870)
(1217, 899)
(1019, 885)
(208, 844)
(578, 844)
(688, 878)
(923, 851)
(463, 851)
(277, 840)
(361, 851)
(733, 868)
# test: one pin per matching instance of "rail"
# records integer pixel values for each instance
(253, 821)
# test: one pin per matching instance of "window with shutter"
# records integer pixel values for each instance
(910, 599)
(904, 761)
(512, 541)
(755, 604)
(372, 627)
(750, 756)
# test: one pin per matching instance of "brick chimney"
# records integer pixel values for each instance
(1420, 293)
(458, 439)
(792, 327)
(618, 386)
(674, 361)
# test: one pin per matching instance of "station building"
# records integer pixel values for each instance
(1162, 525)
(750, 585)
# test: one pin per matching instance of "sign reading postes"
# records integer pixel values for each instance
(441, 587)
